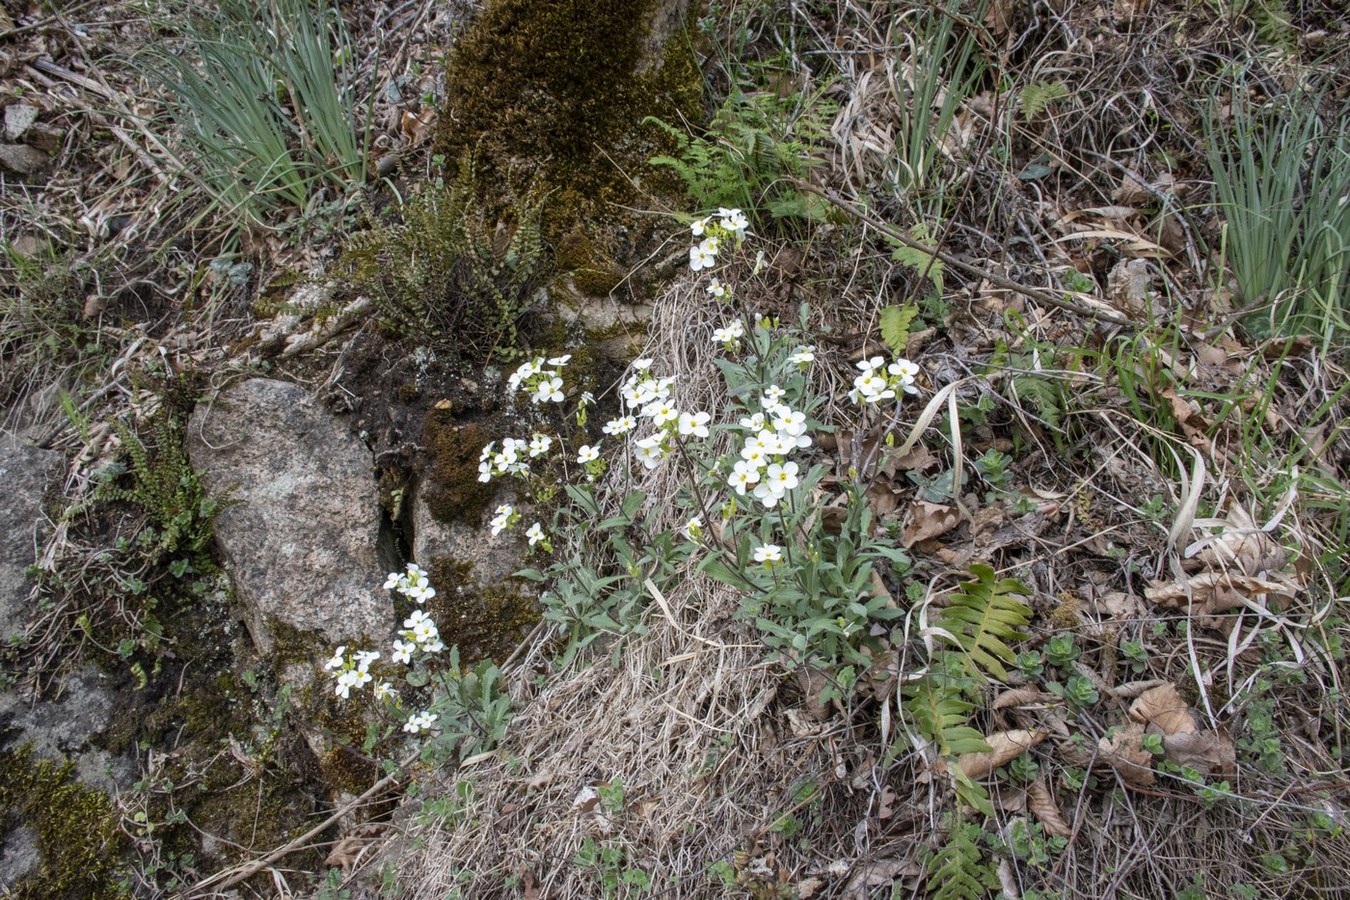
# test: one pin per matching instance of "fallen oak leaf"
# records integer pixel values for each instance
(1124, 751)
(1214, 592)
(1004, 746)
(1024, 696)
(1163, 711)
(1041, 801)
(928, 520)
(1206, 752)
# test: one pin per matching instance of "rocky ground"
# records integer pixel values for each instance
(218, 435)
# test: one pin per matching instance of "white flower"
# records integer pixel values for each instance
(728, 335)
(754, 423)
(621, 425)
(734, 220)
(393, 581)
(694, 424)
(784, 476)
(521, 374)
(385, 691)
(772, 394)
(338, 660)
(587, 398)
(417, 620)
(868, 365)
(587, 453)
(717, 289)
(560, 360)
(701, 258)
(651, 451)
(540, 444)
(693, 529)
(502, 520)
(743, 475)
(753, 457)
(420, 592)
(535, 533)
(698, 226)
(403, 651)
(419, 722)
(548, 389)
(768, 493)
(345, 683)
(803, 355)
(769, 554)
(364, 658)
(789, 422)
(765, 442)
(661, 412)
(641, 365)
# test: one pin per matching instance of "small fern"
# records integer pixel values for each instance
(960, 869)
(922, 262)
(937, 706)
(895, 324)
(451, 274)
(982, 618)
(757, 146)
(1037, 96)
(1044, 395)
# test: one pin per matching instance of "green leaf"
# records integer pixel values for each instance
(895, 322)
(714, 568)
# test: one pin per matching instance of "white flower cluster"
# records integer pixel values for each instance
(648, 397)
(877, 383)
(419, 632)
(713, 230)
(772, 435)
(505, 517)
(352, 671)
(412, 584)
(730, 336)
(542, 378)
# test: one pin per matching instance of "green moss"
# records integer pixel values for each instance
(485, 622)
(453, 491)
(551, 95)
(76, 827)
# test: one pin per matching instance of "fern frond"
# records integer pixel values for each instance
(940, 712)
(895, 322)
(1038, 95)
(983, 617)
(1044, 396)
(959, 870)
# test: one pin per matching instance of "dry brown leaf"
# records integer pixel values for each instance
(1041, 801)
(1193, 424)
(1243, 546)
(1124, 751)
(348, 851)
(1004, 746)
(917, 458)
(1126, 11)
(1205, 751)
(1117, 605)
(1163, 710)
(999, 17)
(1214, 592)
(1127, 286)
(881, 497)
(928, 520)
(1022, 697)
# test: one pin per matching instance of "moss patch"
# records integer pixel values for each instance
(551, 95)
(453, 491)
(77, 830)
(484, 621)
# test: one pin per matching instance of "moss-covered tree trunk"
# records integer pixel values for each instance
(549, 97)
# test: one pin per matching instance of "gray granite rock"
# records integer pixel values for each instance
(300, 542)
(26, 472)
